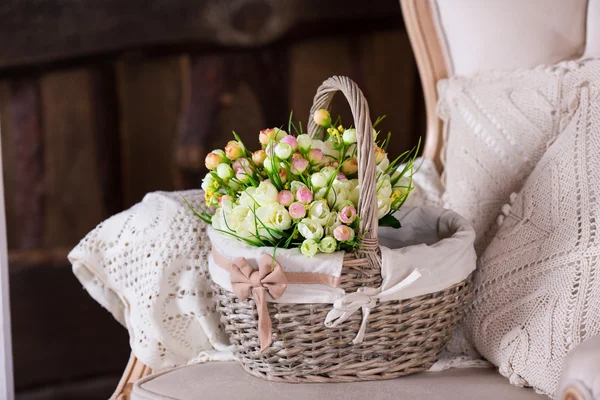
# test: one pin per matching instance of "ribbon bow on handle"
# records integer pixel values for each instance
(365, 298)
(247, 281)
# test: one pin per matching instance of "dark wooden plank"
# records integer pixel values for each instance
(207, 85)
(22, 147)
(150, 99)
(8, 163)
(34, 31)
(389, 79)
(60, 333)
(312, 62)
(73, 194)
(245, 92)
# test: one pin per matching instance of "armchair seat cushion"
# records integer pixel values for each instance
(227, 380)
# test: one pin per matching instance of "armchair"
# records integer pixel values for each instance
(449, 37)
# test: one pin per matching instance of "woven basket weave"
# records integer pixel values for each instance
(402, 337)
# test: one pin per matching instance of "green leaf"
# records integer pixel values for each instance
(389, 220)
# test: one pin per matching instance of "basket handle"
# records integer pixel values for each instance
(367, 171)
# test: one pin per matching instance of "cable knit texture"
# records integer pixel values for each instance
(537, 290)
(498, 126)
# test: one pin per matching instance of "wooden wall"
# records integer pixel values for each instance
(85, 141)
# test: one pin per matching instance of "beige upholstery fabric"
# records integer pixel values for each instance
(582, 370)
(228, 381)
(592, 47)
(506, 34)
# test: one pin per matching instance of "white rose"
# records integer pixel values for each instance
(283, 151)
(319, 212)
(279, 134)
(246, 198)
(402, 183)
(319, 180)
(274, 216)
(253, 226)
(268, 164)
(328, 244)
(265, 193)
(309, 247)
(329, 149)
(328, 172)
(295, 185)
(382, 166)
(236, 220)
(304, 142)
(217, 219)
(317, 144)
(320, 194)
(383, 206)
(336, 196)
(384, 187)
(233, 185)
(350, 152)
(332, 223)
(207, 182)
(310, 229)
(355, 194)
(224, 171)
(349, 136)
(228, 220)
(343, 184)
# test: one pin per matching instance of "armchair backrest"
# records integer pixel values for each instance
(464, 37)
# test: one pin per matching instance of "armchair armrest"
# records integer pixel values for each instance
(580, 378)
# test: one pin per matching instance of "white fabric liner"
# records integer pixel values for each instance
(436, 242)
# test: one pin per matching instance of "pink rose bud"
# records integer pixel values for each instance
(242, 175)
(350, 166)
(322, 117)
(258, 157)
(266, 135)
(233, 150)
(315, 156)
(297, 210)
(270, 149)
(212, 161)
(343, 233)
(304, 195)
(379, 154)
(340, 176)
(289, 139)
(283, 175)
(347, 215)
(299, 165)
(241, 163)
(296, 154)
(224, 197)
(285, 197)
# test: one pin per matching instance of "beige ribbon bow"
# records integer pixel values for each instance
(246, 281)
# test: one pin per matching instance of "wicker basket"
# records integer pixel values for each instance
(403, 337)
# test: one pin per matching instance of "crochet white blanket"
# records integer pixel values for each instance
(149, 267)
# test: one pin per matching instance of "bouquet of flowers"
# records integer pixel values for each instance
(298, 191)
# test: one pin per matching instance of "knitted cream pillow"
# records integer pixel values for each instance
(498, 126)
(537, 290)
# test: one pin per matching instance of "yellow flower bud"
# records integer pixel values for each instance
(322, 117)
